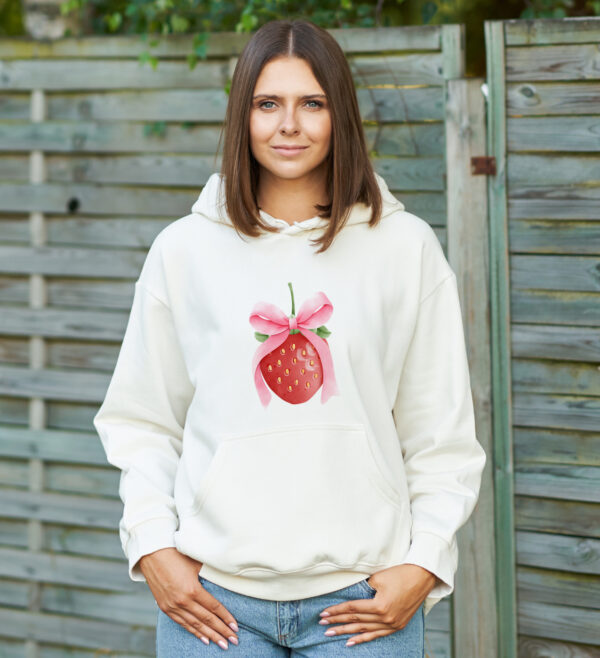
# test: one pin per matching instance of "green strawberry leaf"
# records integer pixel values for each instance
(323, 331)
(260, 337)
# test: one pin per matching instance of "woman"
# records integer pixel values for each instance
(294, 427)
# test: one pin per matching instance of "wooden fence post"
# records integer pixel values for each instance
(501, 343)
(475, 632)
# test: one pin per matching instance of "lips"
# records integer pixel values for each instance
(289, 151)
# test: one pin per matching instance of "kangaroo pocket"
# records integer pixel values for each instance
(290, 498)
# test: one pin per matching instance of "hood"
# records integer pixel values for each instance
(211, 205)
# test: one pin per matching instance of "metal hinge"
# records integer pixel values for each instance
(485, 165)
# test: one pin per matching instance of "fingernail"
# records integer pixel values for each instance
(324, 614)
(331, 631)
(222, 644)
(350, 643)
(205, 640)
(233, 626)
(233, 639)
(324, 621)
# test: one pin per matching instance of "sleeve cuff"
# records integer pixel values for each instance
(433, 553)
(145, 538)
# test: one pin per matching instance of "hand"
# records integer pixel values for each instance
(400, 591)
(173, 580)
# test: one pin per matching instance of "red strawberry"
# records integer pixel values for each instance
(293, 371)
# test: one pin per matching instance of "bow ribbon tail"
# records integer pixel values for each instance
(329, 382)
(263, 349)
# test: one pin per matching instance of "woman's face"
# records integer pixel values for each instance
(289, 108)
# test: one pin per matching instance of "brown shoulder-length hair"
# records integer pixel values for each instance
(350, 176)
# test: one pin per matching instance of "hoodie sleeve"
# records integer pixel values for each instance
(141, 421)
(434, 418)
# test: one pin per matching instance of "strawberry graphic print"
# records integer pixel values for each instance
(293, 359)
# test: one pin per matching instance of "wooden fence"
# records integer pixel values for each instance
(85, 188)
(544, 130)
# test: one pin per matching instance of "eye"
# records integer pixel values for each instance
(318, 103)
(261, 104)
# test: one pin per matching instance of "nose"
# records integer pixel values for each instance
(289, 123)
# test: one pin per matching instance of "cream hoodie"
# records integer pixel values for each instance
(294, 421)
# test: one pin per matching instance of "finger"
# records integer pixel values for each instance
(360, 608)
(349, 607)
(367, 637)
(217, 608)
(356, 628)
(373, 617)
(191, 629)
(200, 626)
(203, 616)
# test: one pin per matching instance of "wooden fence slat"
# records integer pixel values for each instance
(565, 98)
(556, 411)
(554, 62)
(560, 622)
(552, 31)
(552, 134)
(102, 636)
(559, 481)
(533, 445)
(552, 584)
(556, 342)
(549, 272)
(555, 237)
(559, 517)
(561, 308)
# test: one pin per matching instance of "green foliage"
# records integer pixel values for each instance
(201, 17)
(560, 8)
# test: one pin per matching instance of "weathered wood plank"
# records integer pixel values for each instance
(101, 636)
(417, 139)
(93, 199)
(533, 173)
(385, 104)
(566, 98)
(500, 321)
(548, 31)
(535, 647)
(82, 541)
(72, 261)
(559, 377)
(554, 585)
(82, 479)
(559, 481)
(556, 447)
(554, 237)
(559, 622)
(48, 383)
(553, 307)
(468, 251)
(77, 324)
(99, 73)
(549, 551)
(105, 575)
(552, 134)
(563, 517)
(61, 508)
(555, 342)
(548, 272)
(218, 44)
(579, 61)
(556, 411)
(136, 608)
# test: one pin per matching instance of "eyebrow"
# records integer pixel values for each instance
(278, 98)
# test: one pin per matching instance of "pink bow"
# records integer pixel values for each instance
(268, 319)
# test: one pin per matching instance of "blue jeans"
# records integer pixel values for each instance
(269, 629)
